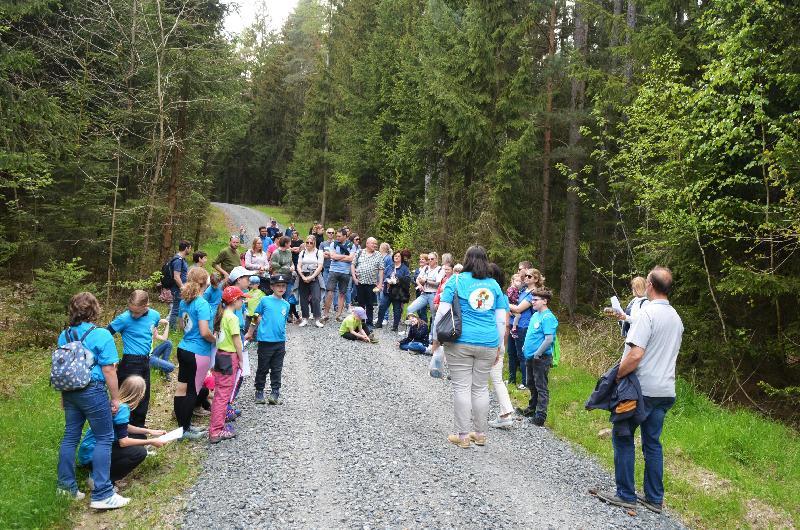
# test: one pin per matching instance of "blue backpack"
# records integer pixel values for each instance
(72, 364)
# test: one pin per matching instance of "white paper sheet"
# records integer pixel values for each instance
(245, 361)
(615, 305)
(171, 435)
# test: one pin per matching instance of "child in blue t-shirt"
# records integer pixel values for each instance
(136, 327)
(269, 328)
(538, 351)
(213, 293)
(126, 452)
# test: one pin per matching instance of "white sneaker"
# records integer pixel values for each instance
(78, 495)
(303, 323)
(502, 423)
(111, 503)
(319, 324)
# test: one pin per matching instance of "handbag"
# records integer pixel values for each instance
(448, 328)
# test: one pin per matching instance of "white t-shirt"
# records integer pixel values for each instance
(433, 277)
(307, 262)
(658, 330)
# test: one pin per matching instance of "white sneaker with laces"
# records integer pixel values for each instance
(319, 324)
(303, 323)
(502, 423)
(110, 503)
(78, 495)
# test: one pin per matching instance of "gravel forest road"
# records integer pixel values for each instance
(360, 442)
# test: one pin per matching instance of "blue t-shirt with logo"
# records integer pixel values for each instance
(525, 316)
(342, 248)
(192, 313)
(478, 300)
(136, 333)
(86, 448)
(542, 323)
(100, 342)
(272, 325)
(214, 298)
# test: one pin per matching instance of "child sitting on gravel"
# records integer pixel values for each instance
(352, 327)
(417, 339)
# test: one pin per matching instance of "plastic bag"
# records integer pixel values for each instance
(436, 366)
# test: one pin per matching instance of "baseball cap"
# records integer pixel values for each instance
(233, 293)
(278, 278)
(255, 279)
(360, 313)
(237, 273)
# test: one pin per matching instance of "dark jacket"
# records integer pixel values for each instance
(400, 290)
(609, 395)
(417, 334)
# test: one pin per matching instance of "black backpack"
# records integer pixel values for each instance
(168, 274)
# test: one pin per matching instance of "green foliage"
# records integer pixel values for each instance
(53, 286)
(147, 284)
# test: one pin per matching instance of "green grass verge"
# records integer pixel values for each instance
(723, 468)
(284, 218)
(32, 424)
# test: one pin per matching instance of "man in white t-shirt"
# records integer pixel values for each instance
(651, 351)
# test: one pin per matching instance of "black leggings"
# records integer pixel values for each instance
(184, 405)
(136, 365)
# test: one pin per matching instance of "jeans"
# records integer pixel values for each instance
(397, 310)
(538, 373)
(173, 310)
(159, 357)
(136, 365)
(520, 342)
(422, 303)
(366, 298)
(625, 457)
(223, 390)
(413, 346)
(513, 361)
(469, 368)
(90, 403)
(270, 361)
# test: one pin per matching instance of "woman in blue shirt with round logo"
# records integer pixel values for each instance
(471, 356)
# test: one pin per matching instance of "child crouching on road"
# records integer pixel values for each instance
(352, 327)
(269, 327)
(226, 362)
(417, 339)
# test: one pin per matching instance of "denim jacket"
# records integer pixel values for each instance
(609, 394)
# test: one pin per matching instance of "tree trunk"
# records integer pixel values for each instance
(176, 168)
(569, 266)
(544, 239)
(630, 22)
(113, 226)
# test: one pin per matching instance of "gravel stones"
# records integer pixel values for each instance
(360, 442)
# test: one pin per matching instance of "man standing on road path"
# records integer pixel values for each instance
(273, 229)
(266, 241)
(228, 257)
(651, 351)
(179, 271)
(341, 257)
(367, 272)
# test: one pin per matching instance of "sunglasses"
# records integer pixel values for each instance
(356, 239)
(329, 233)
(529, 275)
(310, 242)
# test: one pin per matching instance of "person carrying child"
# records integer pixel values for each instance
(352, 327)
(269, 327)
(136, 327)
(127, 452)
(417, 338)
(226, 362)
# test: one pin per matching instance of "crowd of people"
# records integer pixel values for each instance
(244, 307)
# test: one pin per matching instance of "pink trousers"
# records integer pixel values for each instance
(223, 389)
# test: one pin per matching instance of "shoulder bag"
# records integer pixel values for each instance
(448, 328)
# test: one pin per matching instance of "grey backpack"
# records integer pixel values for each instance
(72, 364)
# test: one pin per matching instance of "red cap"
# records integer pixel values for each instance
(233, 293)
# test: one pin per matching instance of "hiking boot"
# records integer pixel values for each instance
(611, 498)
(537, 420)
(110, 503)
(223, 435)
(462, 441)
(200, 411)
(478, 439)
(656, 507)
(502, 423)
(260, 397)
(275, 399)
